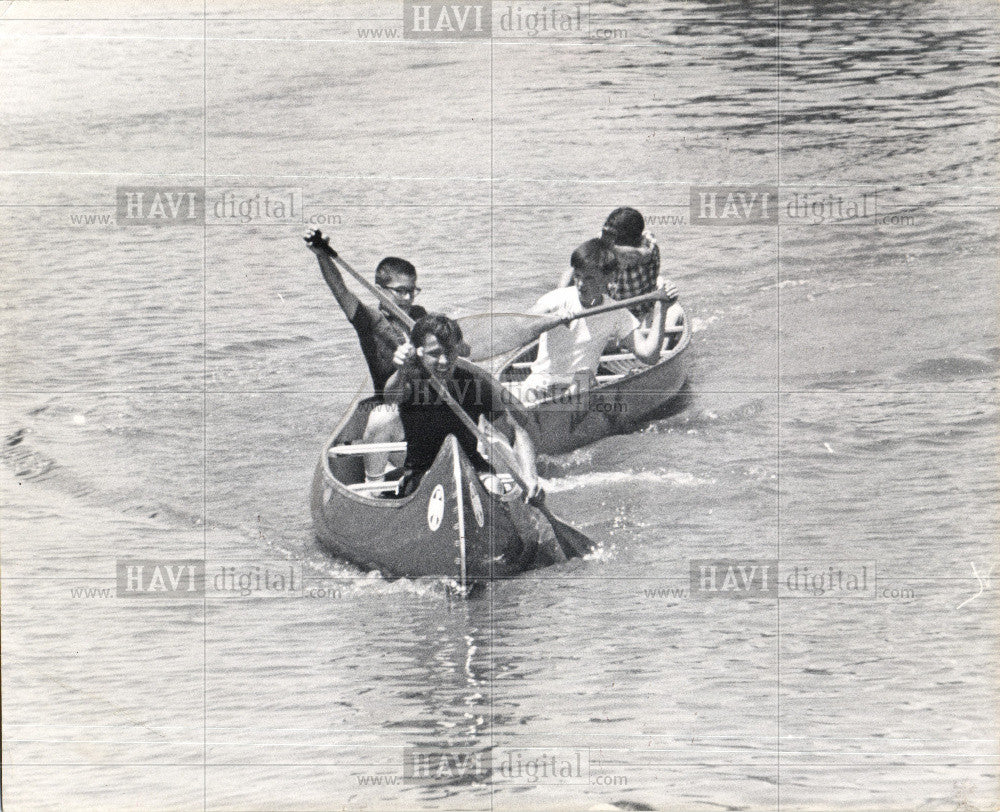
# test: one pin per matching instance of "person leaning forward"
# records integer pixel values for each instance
(427, 422)
(435, 345)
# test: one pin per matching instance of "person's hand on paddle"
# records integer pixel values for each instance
(668, 291)
(319, 244)
(315, 247)
(534, 492)
(406, 356)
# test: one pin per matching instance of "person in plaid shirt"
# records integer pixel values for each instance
(638, 259)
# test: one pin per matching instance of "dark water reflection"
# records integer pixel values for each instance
(445, 674)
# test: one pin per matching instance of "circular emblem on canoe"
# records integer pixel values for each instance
(435, 508)
(477, 505)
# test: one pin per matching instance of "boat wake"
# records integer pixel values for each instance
(332, 576)
(602, 478)
(24, 462)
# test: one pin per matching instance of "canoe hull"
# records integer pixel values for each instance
(612, 408)
(450, 527)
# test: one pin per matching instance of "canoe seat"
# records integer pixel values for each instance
(376, 488)
(619, 366)
(604, 379)
(617, 356)
(366, 448)
(625, 358)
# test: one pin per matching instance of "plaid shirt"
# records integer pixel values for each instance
(638, 270)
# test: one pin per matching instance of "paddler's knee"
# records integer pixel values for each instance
(492, 483)
(675, 316)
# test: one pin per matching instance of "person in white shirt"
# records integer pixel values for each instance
(568, 355)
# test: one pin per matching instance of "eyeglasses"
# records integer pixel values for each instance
(402, 291)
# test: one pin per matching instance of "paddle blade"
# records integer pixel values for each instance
(534, 528)
(573, 542)
(492, 334)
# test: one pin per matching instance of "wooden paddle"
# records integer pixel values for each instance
(506, 332)
(569, 537)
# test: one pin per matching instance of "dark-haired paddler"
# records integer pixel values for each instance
(436, 344)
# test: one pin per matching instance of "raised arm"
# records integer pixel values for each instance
(331, 274)
(646, 343)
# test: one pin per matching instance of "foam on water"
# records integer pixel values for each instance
(599, 479)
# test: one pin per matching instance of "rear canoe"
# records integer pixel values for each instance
(626, 393)
(449, 527)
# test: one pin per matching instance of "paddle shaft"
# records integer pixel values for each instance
(442, 391)
(505, 337)
(404, 317)
(654, 296)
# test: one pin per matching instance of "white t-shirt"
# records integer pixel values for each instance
(567, 350)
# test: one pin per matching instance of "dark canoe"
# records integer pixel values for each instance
(450, 527)
(626, 393)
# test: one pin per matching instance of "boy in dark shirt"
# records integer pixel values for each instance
(428, 420)
(379, 334)
(436, 343)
